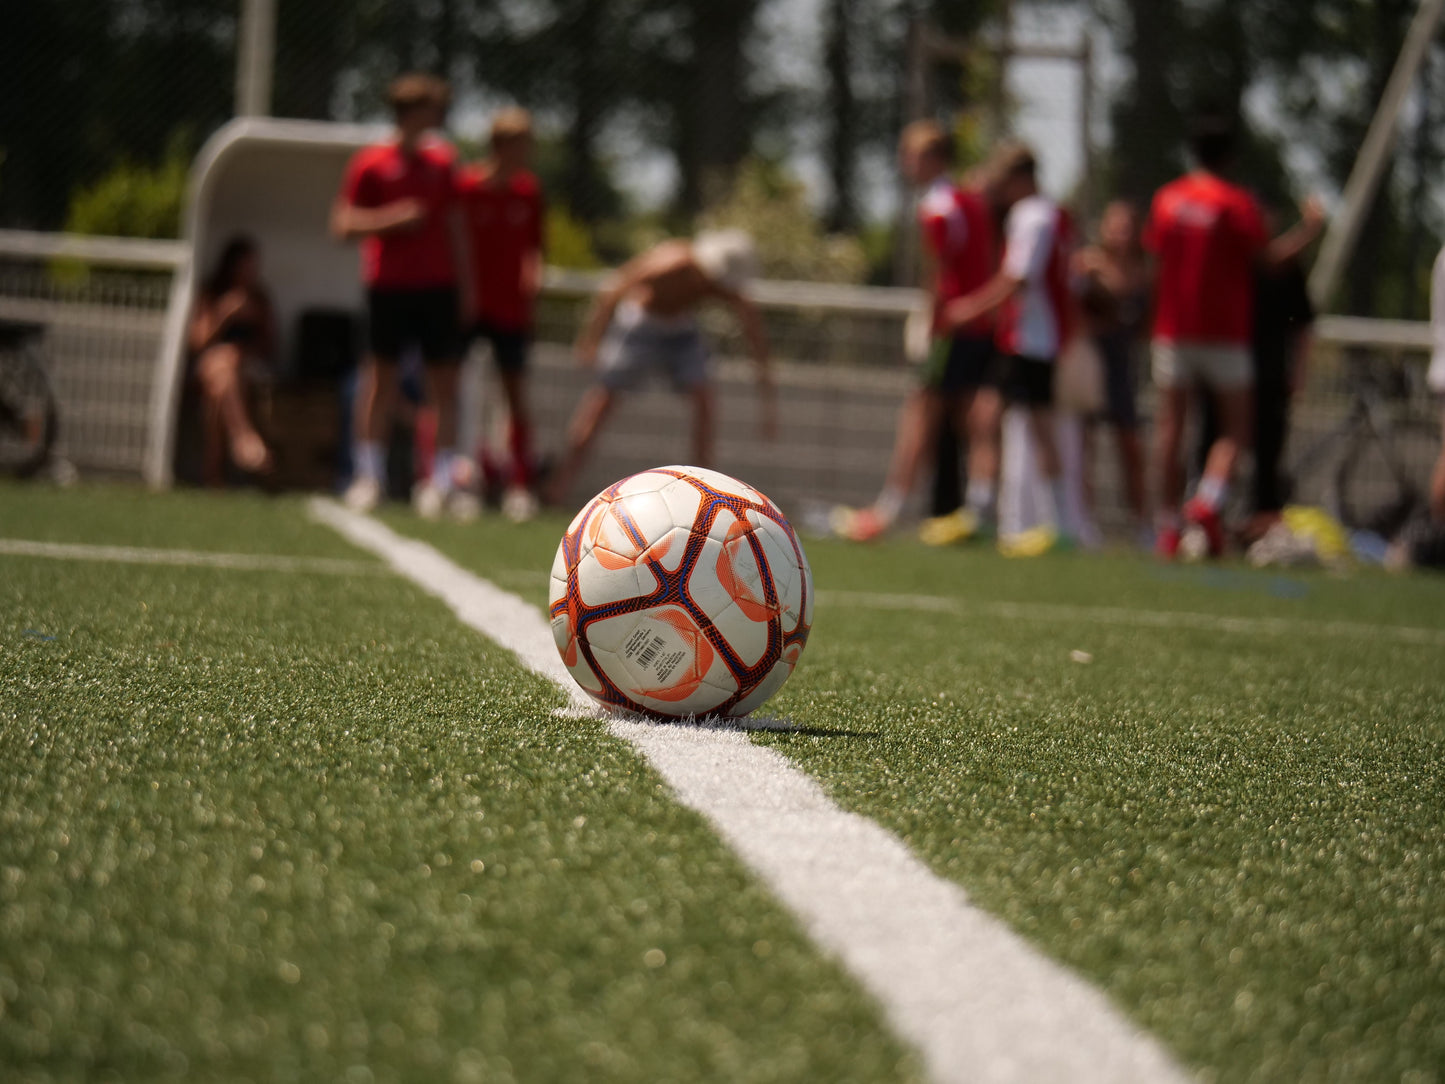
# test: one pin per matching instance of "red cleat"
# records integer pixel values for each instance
(1166, 543)
(1207, 520)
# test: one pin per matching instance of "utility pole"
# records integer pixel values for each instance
(255, 57)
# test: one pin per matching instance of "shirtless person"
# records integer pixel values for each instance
(645, 321)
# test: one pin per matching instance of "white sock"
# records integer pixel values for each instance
(980, 496)
(441, 469)
(889, 503)
(1211, 491)
(369, 460)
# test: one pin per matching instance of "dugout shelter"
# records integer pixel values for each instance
(273, 180)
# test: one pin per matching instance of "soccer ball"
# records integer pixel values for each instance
(679, 592)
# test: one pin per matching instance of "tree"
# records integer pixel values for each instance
(1328, 63)
(695, 70)
(100, 80)
(1147, 119)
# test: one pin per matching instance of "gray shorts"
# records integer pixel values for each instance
(1218, 368)
(638, 345)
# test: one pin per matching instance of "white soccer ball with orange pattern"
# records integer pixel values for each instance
(680, 592)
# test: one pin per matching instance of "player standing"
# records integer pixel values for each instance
(502, 206)
(958, 232)
(1030, 294)
(645, 322)
(398, 197)
(1113, 281)
(1207, 235)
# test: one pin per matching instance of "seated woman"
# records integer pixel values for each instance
(232, 335)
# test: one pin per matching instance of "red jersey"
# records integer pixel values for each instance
(419, 258)
(1205, 234)
(1038, 240)
(959, 231)
(504, 229)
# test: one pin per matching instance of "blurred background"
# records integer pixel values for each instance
(656, 117)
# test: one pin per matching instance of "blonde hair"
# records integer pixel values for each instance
(727, 256)
(927, 137)
(511, 123)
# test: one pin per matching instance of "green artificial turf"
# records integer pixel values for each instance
(276, 826)
(1237, 832)
(129, 515)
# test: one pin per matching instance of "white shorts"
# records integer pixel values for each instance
(1219, 368)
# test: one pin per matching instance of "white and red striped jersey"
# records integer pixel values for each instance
(1038, 241)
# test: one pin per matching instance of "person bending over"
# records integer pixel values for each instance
(645, 323)
(232, 335)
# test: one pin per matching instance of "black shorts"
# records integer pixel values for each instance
(509, 347)
(1029, 381)
(960, 364)
(425, 319)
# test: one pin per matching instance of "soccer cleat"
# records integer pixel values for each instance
(463, 506)
(1034, 542)
(518, 505)
(1166, 543)
(1204, 517)
(958, 526)
(858, 524)
(363, 495)
(429, 501)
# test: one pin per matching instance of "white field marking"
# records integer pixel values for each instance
(135, 555)
(1104, 615)
(977, 1001)
(1120, 615)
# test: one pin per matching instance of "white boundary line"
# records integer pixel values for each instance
(978, 1002)
(135, 555)
(1103, 615)
(1120, 615)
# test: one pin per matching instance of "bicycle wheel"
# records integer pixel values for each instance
(28, 418)
(1385, 479)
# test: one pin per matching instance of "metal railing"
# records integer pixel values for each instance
(840, 353)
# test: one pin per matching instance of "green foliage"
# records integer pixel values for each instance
(771, 205)
(877, 240)
(134, 200)
(569, 242)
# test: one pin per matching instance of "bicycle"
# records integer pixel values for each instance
(29, 420)
(1376, 462)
